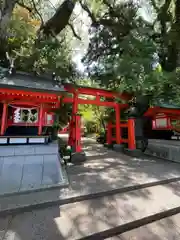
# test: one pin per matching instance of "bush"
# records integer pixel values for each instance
(91, 127)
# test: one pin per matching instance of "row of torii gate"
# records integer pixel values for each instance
(111, 100)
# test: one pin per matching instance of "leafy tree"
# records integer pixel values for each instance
(166, 34)
(120, 55)
(113, 15)
(121, 42)
(47, 56)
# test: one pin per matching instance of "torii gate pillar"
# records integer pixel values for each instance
(75, 127)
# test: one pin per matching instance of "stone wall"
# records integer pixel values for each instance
(169, 150)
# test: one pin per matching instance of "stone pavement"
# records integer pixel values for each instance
(77, 220)
(104, 170)
(165, 229)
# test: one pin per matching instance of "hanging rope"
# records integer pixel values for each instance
(32, 108)
(28, 117)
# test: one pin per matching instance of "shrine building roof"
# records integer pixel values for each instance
(26, 81)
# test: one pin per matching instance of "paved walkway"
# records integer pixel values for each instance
(77, 220)
(165, 229)
(104, 170)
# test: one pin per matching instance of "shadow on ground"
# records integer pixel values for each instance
(103, 170)
(33, 225)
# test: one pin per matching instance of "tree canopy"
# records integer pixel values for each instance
(122, 43)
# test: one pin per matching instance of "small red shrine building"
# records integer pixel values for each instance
(26, 107)
(165, 120)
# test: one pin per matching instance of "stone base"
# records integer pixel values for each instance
(133, 153)
(165, 149)
(30, 168)
(78, 158)
(108, 145)
(118, 147)
(23, 140)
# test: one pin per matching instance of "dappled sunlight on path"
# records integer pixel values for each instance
(103, 172)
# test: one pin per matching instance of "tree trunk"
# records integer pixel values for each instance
(173, 47)
(6, 8)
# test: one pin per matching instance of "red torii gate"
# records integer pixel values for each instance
(74, 126)
(49, 101)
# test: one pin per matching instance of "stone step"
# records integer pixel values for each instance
(28, 150)
(96, 218)
(165, 229)
(42, 198)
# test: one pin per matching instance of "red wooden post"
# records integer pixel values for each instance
(40, 120)
(4, 117)
(118, 130)
(109, 133)
(70, 139)
(75, 104)
(74, 112)
(131, 134)
(75, 126)
(78, 134)
(169, 122)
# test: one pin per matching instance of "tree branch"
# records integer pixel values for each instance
(107, 4)
(60, 19)
(69, 24)
(36, 10)
(52, 5)
(153, 2)
(74, 32)
(21, 4)
(90, 14)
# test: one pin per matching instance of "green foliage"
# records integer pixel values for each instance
(20, 30)
(34, 55)
(93, 117)
(46, 55)
(124, 61)
(119, 56)
(166, 32)
(50, 56)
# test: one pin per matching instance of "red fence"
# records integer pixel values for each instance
(130, 125)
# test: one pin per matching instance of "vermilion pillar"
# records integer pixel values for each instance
(169, 123)
(109, 133)
(70, 139)
(74, 112)
(40, 120)
(131, 134)
(75, 127)
(118, 130)
(4, 117)
(78, 134)
(75, 104)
